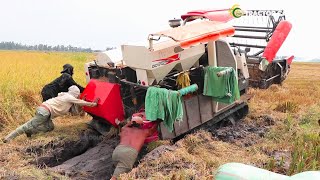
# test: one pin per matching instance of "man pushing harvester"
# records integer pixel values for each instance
(48, 110)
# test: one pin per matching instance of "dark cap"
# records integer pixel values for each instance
(67, 68)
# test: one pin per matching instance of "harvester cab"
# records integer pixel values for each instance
(121, 77)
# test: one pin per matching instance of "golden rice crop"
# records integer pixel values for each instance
(24, 73)
(298, 92)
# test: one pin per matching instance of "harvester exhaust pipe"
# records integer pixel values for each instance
(174, 23)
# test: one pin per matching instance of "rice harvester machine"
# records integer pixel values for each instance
(121, 77)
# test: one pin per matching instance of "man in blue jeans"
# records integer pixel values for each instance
(48, 110)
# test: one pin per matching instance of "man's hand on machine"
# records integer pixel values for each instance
(96, 101)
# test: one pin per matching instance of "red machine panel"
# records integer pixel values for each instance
(290, 59)
(279, 36)
(110, 105)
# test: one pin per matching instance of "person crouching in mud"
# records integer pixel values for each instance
(60, 84)
(132, 138)
(48, 110)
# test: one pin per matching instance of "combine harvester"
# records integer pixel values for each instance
(121, 77)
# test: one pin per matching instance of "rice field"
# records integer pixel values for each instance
(294, 105)
(24, 73)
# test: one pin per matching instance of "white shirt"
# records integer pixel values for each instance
(61, 104)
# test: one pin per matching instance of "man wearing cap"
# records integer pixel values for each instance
(132, 138)
(61, 84)
(48, 110)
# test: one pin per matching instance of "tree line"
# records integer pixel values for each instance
(42, 47)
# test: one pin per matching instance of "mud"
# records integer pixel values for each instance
(280, 161)
(57, 152)
(96, 163)
(91, 157)
(242, 133)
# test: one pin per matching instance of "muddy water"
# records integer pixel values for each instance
(57, 152)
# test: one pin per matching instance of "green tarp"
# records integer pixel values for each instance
(224, 88)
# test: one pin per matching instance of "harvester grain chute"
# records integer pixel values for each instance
(121, 77)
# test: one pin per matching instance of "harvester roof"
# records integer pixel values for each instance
(195, 33)
(213, 15)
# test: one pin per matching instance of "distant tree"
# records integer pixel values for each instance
(109, 48)
(42, 47)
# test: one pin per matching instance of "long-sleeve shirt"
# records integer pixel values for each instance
(61, 104)
(61, 84)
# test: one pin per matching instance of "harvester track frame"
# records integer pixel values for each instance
(239, 111)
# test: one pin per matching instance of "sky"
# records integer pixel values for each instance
(104, 23)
